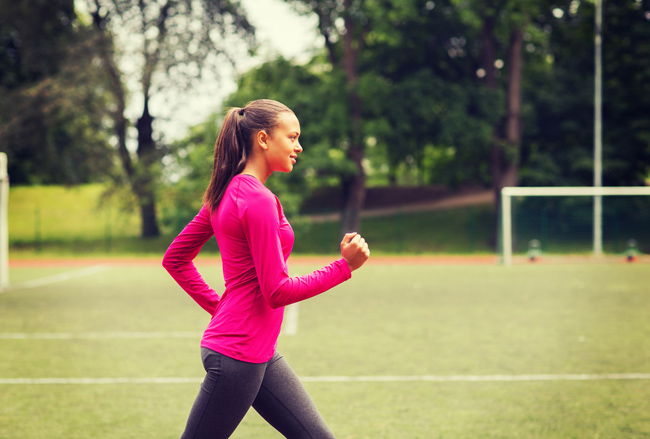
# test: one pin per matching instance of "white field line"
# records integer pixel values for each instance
(290, 327)
(478, 378)
(348, 379)
(95, 335)
(175, 380)
(67, 275)
(291, 320)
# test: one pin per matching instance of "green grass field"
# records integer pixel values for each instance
(391, 320)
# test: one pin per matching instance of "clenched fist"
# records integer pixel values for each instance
(354, 249)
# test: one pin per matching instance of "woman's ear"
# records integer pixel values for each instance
(261, 139)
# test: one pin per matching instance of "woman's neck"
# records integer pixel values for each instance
(256, 172)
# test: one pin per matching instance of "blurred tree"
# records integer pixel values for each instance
(318, 100)
(172, 42)
(436, 82)
(422, 93)
(187, 174)
(344, 25)
(626, 91)
(559, 140)
(53, 105)
(503, 26)
(35, 35)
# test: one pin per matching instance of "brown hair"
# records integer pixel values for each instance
(235, 141)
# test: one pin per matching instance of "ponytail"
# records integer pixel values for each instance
(234, 143)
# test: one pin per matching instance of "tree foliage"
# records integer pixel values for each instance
(172, 41)
(344, 25)
(432, 107)
(443, 92)
(53, 107)
(424, 95)
(308, 90)
(559, 134)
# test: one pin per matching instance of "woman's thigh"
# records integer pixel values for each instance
(227, 392)
(285, 404)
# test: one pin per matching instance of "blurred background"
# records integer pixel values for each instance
(414, 114)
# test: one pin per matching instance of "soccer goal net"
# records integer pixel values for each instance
(537, 221)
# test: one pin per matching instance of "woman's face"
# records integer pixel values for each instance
(283, 144)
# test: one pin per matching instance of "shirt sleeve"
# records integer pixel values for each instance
(261, 221)
(178, 260)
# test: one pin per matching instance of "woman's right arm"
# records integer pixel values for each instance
(178, 260)
(261, 224)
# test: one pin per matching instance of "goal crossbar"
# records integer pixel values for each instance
(508, 192)
(577, 190)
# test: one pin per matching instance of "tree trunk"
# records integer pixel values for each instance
(144, 182)
(106, 53)
(138, 175)
(488, 58)
(354, 191)
(506, 147)
(354, 194)
(513, 129)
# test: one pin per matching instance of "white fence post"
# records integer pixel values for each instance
(506, 223)
(4, 227)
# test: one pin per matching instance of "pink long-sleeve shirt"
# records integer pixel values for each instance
(255, 240)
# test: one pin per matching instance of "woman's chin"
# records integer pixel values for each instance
(285, 170)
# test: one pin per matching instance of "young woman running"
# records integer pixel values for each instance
(238, 348)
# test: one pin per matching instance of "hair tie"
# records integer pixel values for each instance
(241, 111)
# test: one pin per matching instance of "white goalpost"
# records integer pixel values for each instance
(4, 229)
(508, 193)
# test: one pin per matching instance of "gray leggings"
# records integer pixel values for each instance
(231, 387)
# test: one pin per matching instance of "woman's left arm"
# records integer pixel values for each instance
(178, 260)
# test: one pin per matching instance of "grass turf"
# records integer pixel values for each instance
(390, 320)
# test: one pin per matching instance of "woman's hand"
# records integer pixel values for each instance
(354, 249)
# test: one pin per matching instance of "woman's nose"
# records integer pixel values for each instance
(298, 147)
